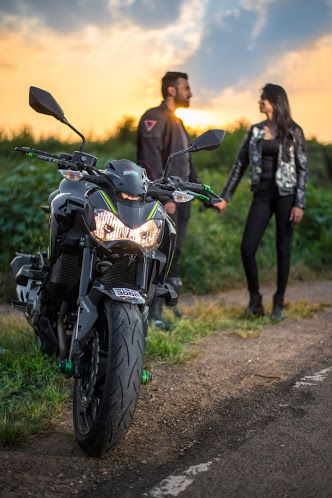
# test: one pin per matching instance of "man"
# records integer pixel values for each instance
(160, 133)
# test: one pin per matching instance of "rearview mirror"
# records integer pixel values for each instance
(43, 102)
(210, 140)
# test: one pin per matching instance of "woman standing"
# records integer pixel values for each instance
(276, 152)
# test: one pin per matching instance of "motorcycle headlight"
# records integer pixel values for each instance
(109, 227)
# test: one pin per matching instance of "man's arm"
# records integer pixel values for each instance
(149, 145)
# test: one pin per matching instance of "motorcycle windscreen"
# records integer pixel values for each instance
(132, 213)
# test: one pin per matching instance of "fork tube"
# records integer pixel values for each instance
(142, 279)
(86, 271)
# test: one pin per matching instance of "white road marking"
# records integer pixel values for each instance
(311, 380)
(174, 485)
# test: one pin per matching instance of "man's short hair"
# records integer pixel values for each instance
(170, 79)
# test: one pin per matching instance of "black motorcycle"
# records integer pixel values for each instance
(88, 297)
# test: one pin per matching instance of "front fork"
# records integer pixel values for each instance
(87, 309)
(90, 295)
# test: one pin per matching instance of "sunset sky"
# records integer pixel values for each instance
(103, 59)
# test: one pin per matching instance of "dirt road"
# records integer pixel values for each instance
(179, 412)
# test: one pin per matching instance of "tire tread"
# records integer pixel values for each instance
(122, 384)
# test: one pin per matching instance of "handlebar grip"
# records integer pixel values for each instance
(159, 193)
(195, 187)
(28, 150)
(23, 149)
(205, 192)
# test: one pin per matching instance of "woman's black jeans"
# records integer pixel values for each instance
(263, 206)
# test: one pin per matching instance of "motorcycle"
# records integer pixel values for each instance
(88, 297)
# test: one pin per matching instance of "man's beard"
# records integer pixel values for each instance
(181, 102)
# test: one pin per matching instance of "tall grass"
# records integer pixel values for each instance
(32, 392)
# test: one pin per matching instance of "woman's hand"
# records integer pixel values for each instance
(296, 215)
(221, 206)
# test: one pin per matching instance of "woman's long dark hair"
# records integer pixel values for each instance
(281, 114)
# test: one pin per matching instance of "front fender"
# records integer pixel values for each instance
(116, 293)
(88, 310)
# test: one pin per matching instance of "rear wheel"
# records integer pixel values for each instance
(105, 395)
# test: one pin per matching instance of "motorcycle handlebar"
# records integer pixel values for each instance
(204, 192)
(202, 189)
(47, 156)
(195, 187)
(27, 150)
(162, 189)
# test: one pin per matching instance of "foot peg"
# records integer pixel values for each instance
(146, 377)
(20, 306)
(167, 292)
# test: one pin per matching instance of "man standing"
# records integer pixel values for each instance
(160, 133)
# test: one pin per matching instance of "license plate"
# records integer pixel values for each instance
(129, 293)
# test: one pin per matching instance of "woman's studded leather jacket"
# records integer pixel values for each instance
(290, 176)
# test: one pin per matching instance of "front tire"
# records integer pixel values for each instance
(105, 395)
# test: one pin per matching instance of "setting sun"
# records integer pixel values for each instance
(198, 120)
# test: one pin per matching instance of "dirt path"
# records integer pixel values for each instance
(174, 412)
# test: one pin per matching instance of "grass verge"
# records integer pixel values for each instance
(32, 392)
(203, 319)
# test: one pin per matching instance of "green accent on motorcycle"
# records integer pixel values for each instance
(208, 189)
(146, 377)
(202, 197)
(169, 264)
(108, 201)
(154, 209)
(30, 154)
(66, 367)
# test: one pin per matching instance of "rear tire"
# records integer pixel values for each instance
(105, 396)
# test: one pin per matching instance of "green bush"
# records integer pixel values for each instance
(23, 224)
(313, 237)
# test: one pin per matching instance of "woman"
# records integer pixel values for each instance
(276, 152)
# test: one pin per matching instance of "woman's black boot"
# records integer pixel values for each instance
(278, 304)
(255, 307)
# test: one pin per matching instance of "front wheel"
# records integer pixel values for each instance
(105, 395)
